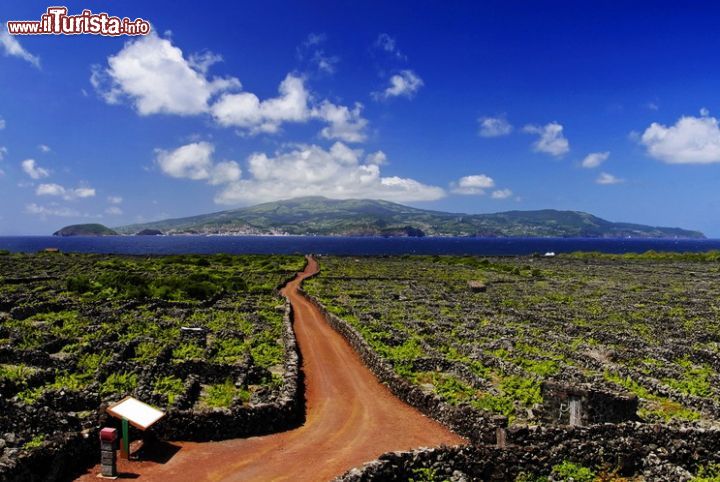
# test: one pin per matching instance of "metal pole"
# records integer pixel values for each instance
(125, 439)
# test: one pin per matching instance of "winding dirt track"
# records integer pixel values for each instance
(351, 419)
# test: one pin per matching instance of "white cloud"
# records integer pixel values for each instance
(45, 211)
(80, 192)
(379, 158)
(113, 211)
(339, 172)
(33, 170)
(195, 161)
(606, 179)
(494, 127)
(551, 139)
(50, 190)
(387, 44)
(44, 148)
(157, 78)
(202, 61)
(501, 194)
(594, 159)
(247, 111)
(3, 152)
(475, 184)
(225, 172)
(191, 161)
(310, 51)
(12, 47)
(691, 140)
(115, 199)
(345, 124)
(405, 84)
(2, 123)
(53, 189)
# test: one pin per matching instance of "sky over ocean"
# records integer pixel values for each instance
(604, 107)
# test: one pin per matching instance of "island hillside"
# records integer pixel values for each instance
(363, 217)
(85, 230)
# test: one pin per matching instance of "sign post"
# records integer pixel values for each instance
(125, 448)
(132, 411)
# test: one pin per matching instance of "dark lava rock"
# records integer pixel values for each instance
(149, 232)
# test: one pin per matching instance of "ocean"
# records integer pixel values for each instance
(345, 245)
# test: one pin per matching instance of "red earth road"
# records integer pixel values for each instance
(351, 419)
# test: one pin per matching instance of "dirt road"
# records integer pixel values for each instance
(351, 419)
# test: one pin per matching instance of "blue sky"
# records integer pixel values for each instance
(602, 107)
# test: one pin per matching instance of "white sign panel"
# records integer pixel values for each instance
(139, 414)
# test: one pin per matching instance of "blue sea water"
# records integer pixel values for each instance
(344, 245)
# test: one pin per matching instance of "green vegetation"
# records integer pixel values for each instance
(708, 473)
(16, 373)
(79, 331)
(568, 471)
(85, 230)
(612, 321)
(119, 383)
(426, 474)
(188, 351)
(222, 395)
(170, 386)
(35, 442)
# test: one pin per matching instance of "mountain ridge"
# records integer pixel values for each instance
(316, 215)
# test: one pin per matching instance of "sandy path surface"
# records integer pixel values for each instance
(351, 419)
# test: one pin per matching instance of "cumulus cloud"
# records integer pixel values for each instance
(12, 47)
(2, 123)
(379, 158)
(550, 139)
(3, 151)
(202, 61)
(191, 161)
(225, 172)
(691, 140)
(406, 83)
(245, 110)
(345, 124)
(33, 170)
(53, 210)
(43, 148)
(501, 194)
(594, 159)
(475, 184)
(158, 79)
(338, 172)
(606, 179)
(68, 194)
(195, 161)
(494, 127)
(115, 199)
